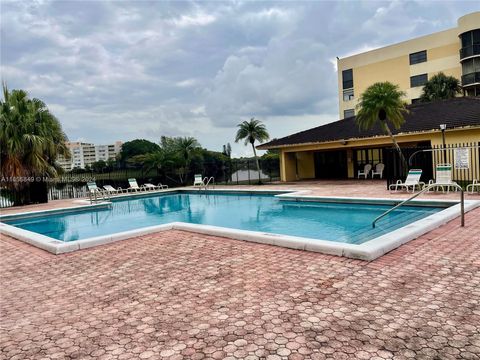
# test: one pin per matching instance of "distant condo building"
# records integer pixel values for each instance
(409, 64)
(84, 154)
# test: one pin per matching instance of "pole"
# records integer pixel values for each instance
(444, 150)
(462, 207)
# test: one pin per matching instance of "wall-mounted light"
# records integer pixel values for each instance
(443, 127)
(343, 142)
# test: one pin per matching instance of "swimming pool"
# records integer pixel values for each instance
(284, 219)
(340, 222)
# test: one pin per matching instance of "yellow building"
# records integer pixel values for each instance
(411, 63)
(339, 149)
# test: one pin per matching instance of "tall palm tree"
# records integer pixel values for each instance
(30, 138)
(440, 86)
(252, 131)
(382, 104)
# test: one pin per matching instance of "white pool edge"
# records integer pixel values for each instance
(368, 250)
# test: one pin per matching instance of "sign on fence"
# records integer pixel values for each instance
(461, 158)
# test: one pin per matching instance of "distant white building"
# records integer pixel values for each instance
(84, 154)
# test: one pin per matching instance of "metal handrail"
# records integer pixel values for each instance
(104, 195)
(208, 182)
(426, 188)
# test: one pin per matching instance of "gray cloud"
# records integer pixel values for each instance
(122, 70)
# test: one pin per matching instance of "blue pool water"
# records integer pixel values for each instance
(340, 222)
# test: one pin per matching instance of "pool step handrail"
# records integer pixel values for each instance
(210, 180)
(104, 195)
(426, 188)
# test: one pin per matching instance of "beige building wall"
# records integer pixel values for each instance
(297, 161)
(392, 63)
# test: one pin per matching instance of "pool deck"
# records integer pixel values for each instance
(180, 295)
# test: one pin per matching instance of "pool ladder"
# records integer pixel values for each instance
(207, 182)
(103, 195)
(426, 188)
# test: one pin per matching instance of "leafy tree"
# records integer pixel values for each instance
(382, 104)
(440, 86)
(251, 131)
(174, 154)
(136, 147)
(112, 164)
(271, 154)
(99, 166)
(159, 160)
(31, 138)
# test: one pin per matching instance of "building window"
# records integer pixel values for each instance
(348, 113)
(347, 78)
(348, 95)
(418, 80)
(418, 57)
(367, 156)
(470, 66)
(416, 101)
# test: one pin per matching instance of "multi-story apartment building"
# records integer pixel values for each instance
(411, 63)
(84, 154)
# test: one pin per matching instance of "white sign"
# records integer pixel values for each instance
(461, 158)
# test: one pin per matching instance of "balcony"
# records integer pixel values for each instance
(469, 51)
(470, 79)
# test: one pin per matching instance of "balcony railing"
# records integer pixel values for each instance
(471, 78)
(469, 51)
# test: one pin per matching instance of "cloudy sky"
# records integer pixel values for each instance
(123, 70)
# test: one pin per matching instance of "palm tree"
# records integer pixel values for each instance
(382, 103)
(30, 138)
(252, 131)
(185, 147)
(158, 160)
(440, 86)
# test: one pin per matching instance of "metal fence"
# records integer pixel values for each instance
(73, 185)
(464, 158)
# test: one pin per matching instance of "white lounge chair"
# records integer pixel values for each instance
(198, 181)
(365, 172)
(473, 185)
(149, 186)
(93, 188)
(111, 190)
(134, 186)
(378, 170)
(95, 191)
(412, 181)
(443, 177)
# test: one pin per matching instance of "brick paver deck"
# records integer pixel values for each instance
(179, 295)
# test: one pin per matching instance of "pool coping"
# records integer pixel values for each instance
(368, 250)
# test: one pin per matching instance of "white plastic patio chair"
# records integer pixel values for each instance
(365, 172)
(412, 181)
(198, 181)
(134, 186)
(111, 190)
(473, 185)
(92, 187)
(149, 186)
(95, 191)
(378, 170)
(443, 177)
